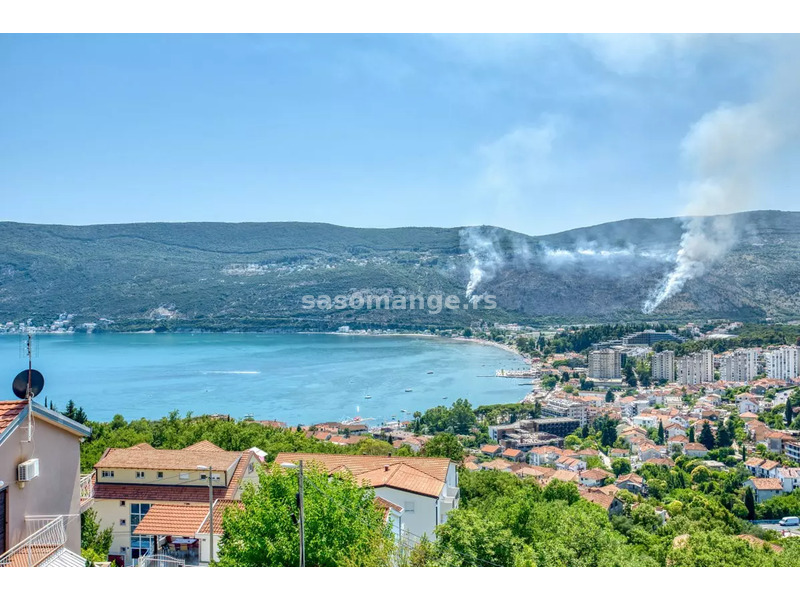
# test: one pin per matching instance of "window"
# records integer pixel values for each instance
(122, 502)
(183, 476)
(122, 522)
(140, 544)
(203, 476)
(139, 474)
(160, 475)
(409, 507)
(106, 474)
(215, 477)
(251, 467)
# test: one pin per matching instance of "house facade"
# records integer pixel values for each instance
(425, 488)
(130, 481)
(40, 504)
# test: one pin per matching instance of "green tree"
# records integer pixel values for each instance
(707, 437)
(723, 437)
(343, 524)
(445, 445)
(788, 414)
(691, 434)
(661, 433)
(620, 466)
(95, 542)
(609, 396)
(750, 503)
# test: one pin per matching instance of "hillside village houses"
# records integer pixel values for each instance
(42, 493)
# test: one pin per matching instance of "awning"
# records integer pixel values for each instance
(172, 519)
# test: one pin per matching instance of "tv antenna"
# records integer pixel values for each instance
(28, 384)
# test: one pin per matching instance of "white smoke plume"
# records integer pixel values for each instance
(485, 254)
(725, 149)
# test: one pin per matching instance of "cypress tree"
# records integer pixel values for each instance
(691, 434)
(661, 432)
(788, 414)
(750, 503)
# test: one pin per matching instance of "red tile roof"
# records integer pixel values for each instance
(419, 475)
(10, 410)
(173, 519)
(766, 484)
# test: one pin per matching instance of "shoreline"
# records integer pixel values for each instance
(424, 335)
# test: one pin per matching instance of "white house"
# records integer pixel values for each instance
(425, 488)
(789, 478)
(764, 488)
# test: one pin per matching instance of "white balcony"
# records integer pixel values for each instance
(44, 547)
(87, 491)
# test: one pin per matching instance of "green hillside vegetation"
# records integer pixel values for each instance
(253, 276)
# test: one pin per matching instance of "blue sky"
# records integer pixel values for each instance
(533, 133)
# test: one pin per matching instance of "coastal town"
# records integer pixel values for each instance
(648, 423)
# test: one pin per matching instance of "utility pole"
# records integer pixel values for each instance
(210, 513)
(302, 519)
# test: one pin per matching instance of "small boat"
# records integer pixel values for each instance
(444, 397)
(430, 372)
(409, 390)
(367, 397)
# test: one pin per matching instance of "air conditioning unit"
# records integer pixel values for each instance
(28, 470)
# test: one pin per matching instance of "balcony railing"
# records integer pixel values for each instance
(38, 546)
(87, 491)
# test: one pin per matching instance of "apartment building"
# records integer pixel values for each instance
(662, 366)
(605, 364)
(696, 368)
(425, 488)
(40, 487)
(130, 481)
(739, 365)
(566, 408)
(783, 363)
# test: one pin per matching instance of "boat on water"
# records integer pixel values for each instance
(409, 390)
(430, 372)
(367, 397)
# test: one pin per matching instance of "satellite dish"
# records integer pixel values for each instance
(20, 385)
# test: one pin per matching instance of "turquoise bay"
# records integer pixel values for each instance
(296, 378)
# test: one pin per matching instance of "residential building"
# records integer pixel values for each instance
(783, 363)
(560, 427)
(491, 450)
(740, 365)
(696, 368)
(632, 482)
(566, 408)
(792, 450)
(425, 488)
(764, 489)
(662, 366)
(610, 503)
(695, 449)
(594, 477)
(648, 337)
(130, 481)
(789, 478)
(605, 364)
(513, 455)
(40, 486)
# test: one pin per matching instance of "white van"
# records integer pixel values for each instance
(789, 522)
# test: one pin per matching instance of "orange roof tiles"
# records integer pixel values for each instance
(766, 484)
(150, 458)
(424, 476)
(172, 519)
(10, 410)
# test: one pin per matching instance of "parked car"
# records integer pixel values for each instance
(789, 522)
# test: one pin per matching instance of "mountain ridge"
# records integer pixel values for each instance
(252, 275)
